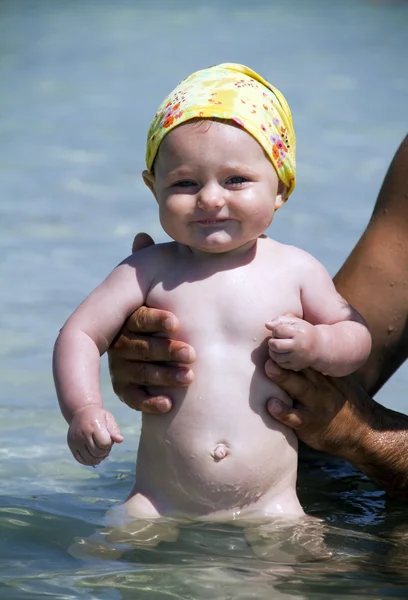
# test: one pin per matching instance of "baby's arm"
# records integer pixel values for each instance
(332, 337)
(85, 336)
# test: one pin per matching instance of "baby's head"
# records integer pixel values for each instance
(220, 158)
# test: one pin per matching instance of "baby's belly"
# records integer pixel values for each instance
(218, 449)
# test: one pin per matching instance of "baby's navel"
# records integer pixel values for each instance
(220, 451)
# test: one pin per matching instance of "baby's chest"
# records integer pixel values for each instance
(231, 306)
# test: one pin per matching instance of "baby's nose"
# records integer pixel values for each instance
(210, 197)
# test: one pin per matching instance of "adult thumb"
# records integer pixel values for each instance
(141, 240)
(280, 411)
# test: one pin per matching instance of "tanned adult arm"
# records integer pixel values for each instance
(374, 278)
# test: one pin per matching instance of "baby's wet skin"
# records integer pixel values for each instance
(217, 454)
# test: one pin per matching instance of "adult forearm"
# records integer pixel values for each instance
(381, 452)
(373, 278)
(338, 417)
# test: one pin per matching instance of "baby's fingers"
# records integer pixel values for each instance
(113, 429)
(84, 455)
(100, 447)
(280, 346)
(101, 443)
(283, 331)
(92, 447)
(282, 321)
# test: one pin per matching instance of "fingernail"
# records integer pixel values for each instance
(168, 324)
(274, 406)
(184, 376)
(273, 369)
(184, 355)
(163, 404)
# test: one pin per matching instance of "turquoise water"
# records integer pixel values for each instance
(79, 82)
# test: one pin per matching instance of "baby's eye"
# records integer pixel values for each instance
(236, 180)
(184, 184)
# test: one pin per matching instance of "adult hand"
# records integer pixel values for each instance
(328, 414)
(135, 355)
(339, 417)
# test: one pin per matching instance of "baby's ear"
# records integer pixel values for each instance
(281, 195)
(149, 180)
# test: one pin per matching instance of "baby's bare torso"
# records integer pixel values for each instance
(218, 453)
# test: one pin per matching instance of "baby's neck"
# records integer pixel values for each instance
(241, 255)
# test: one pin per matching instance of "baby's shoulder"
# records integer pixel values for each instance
(148, 263)
(284, 251)
(154, 253)
(290, 255)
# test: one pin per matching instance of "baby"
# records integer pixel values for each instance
(220, 162)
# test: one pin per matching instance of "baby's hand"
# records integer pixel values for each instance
(293, 342)
(91, 435)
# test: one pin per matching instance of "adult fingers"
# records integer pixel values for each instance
(141, 240)
(151, 320)
(141, 373)
(137, 398)
(152, 349)
(291, 417)
(297, 385)
(289, 364)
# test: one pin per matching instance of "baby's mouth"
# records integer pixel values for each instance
(212, 221)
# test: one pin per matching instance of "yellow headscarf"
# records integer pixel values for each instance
(235, 92)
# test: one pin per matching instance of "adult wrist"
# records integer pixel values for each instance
(350, 433)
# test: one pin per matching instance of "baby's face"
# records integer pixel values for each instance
(216, 189)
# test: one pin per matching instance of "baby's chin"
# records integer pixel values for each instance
(222, 247)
